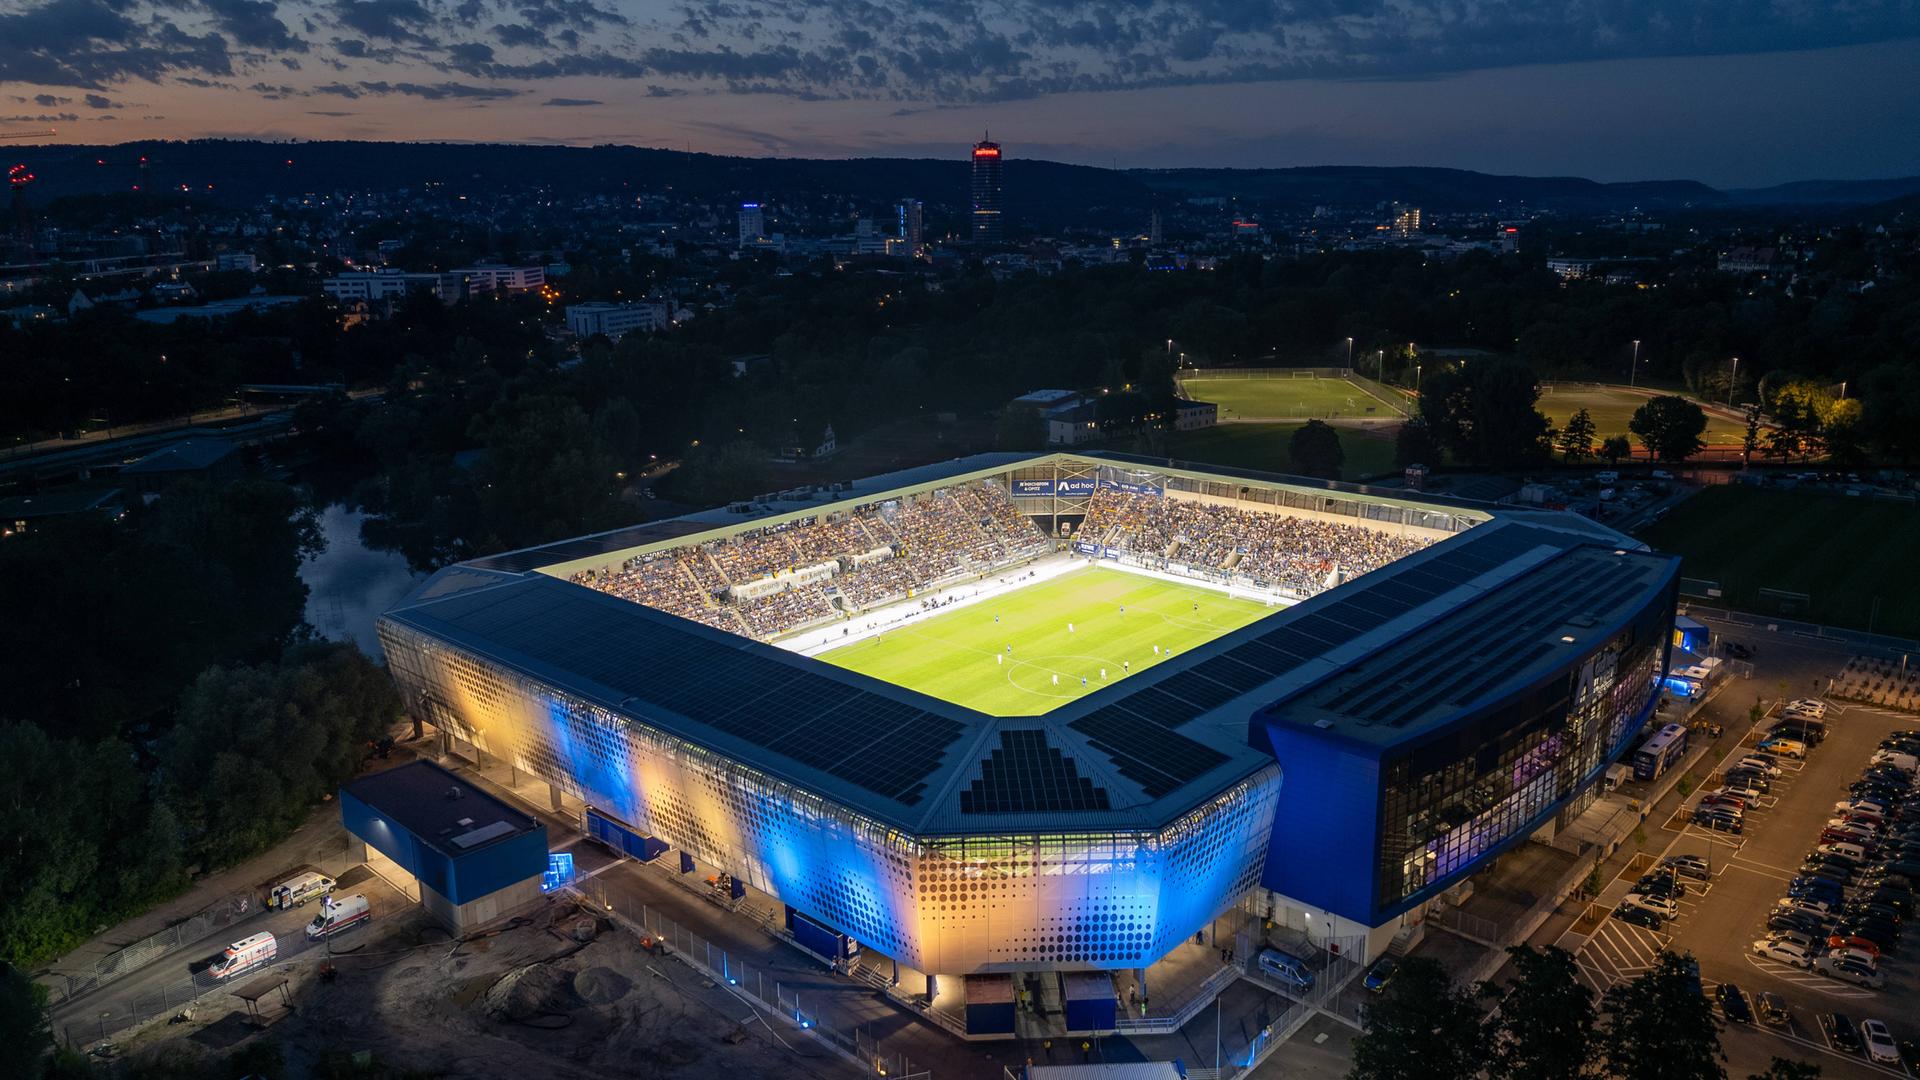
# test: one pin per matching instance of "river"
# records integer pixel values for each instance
(349, 584)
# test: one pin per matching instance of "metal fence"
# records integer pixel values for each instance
(81, 1026)
(757, 986)
(63, 987)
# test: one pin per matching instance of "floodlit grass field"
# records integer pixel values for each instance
(1268, 447)
(952, 656)
(1289, 398)
(1612, 409)
(1842, 552)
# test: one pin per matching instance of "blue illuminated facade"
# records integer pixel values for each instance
(1337, 755)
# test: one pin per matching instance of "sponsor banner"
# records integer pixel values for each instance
(1078, 485)
(1081, 547)
(1110, 553)
(1133, 489)
(1032, 487)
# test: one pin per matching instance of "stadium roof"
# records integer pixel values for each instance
(1133, 755)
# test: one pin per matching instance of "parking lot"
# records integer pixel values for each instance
(1719, 919)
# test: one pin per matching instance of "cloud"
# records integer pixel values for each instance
(910, 53)
(101, 101)
(435, 91)
(329, 112)
(253, 23)
(48, 101)
(383, 20)
(569, 102)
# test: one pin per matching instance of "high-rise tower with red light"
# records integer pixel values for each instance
(986, 192)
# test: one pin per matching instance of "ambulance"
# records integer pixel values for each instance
(338, 915)
(245, 955)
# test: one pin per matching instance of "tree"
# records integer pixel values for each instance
(1423, 1027)
(1616, 448)
(1785, 440)
(1507, 430)
(1787, 1069)
(1661, 1027)
(1750, 440)
(1021, 428)
(1669, 427)
(1545, 1028)
(1315, 450)
(1415, 445)
(1576, 439)
(25, 1037)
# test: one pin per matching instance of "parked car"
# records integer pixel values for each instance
(1813, 706)
(1733, 1004)
(1667, 886)
(1638, 916)
(1380, 974)
(1659, 905)
(1848, 970)
(1879, 1040)
(1840, 1032)
(1691, 866)
(1791, 955)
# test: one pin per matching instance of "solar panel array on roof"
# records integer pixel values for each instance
(656, 662)
(515, 562)
(1148, 753)
(1487, 647)
(1026, 773)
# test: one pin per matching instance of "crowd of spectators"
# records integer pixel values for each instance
(1301, 555)
(771, 614)
(968, 527)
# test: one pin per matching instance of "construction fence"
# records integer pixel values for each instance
(765, 992)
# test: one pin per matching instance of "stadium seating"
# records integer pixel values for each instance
(1297, 554)
(976, 529)
(972, 528)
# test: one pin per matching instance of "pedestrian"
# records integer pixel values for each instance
(1103, 674)
(1056, 680)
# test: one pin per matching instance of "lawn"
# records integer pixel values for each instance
(1611, 410)
(1844, 552)
(1289, 399)
(1116, 620)
(1265, 446)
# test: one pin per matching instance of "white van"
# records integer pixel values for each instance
(338, 915)
(1287, 968)
(1853, 853)
(1906, 763)
(245, 955)
(299, 889)
(1813, 707)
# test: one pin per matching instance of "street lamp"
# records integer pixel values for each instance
(1350, 360)
(1634, 371)
(1734, 379)
(1416, 377)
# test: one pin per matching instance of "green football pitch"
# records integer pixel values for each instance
(1014, 655)
(1612, 409)
(1289, 398)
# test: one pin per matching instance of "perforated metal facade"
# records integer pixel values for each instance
(1012, 902)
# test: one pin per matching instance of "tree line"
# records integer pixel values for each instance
(1543, 1023)
(167, 712)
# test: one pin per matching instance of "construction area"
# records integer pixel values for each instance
(563, 992)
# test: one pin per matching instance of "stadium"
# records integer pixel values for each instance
(1024, 713)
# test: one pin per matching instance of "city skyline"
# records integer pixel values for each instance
(1729, 102)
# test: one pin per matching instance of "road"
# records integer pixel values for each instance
(170, 982)
(1720, 921)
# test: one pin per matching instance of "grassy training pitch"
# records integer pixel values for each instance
(951, 656)
(1287, 398)
(1611, 409)
(1853, 557)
